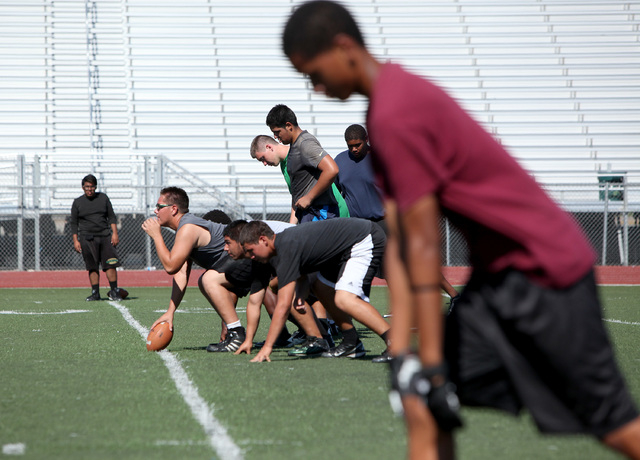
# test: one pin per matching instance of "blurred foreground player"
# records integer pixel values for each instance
(527, 331)
(95, 236)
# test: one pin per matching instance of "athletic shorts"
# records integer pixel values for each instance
(315, 213)
(357, 268)
(511, 343)
(238, 273)
(98, 250)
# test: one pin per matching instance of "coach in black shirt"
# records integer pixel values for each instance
(95, 236)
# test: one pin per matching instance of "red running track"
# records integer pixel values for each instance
(132, 278)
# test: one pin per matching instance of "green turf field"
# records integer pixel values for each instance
(78, 383)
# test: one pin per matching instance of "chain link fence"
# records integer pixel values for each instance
(36, 196)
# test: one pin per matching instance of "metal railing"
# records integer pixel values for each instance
(36, 195)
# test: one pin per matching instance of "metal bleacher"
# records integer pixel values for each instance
(557, 82)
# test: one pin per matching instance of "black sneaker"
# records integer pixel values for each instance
(113, 294)
(94, 296)
(279, 344)
(313, 346)
(346, 350)
(233, 340)
(297, 338)
(385, 357)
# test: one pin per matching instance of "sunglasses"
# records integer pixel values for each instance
(160, 206)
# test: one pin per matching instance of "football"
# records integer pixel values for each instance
(159, 337)
(123, 293)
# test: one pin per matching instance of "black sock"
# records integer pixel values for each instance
(350, 336)
(114, 285)
(325, 323)
(95, 289)
(284, 335)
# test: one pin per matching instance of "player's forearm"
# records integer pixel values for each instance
(324, 182)
(180, 281)
(170, 264)
(421, 252)
(253, 319)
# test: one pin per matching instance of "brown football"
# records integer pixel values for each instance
(159, 337)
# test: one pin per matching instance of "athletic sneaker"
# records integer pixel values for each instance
(385, 357)
(312, 347)
(94, 296)
(279, 343)
(345, 350)
(297, 338)
(235, 337)
(113, 294)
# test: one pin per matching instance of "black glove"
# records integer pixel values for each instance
(430, 383)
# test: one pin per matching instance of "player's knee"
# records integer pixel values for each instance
(344, 299)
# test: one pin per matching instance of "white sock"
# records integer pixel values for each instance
(234, 325)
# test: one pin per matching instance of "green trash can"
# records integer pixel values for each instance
(615, 181)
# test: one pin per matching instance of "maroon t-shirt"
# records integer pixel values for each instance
(424, 143)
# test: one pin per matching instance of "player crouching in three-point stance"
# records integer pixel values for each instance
(201, 241)
(527, 331)
(346, 252)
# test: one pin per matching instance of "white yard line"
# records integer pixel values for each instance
(64, 312)
(219, 439)
(631, 323)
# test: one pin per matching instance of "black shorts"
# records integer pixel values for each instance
(98, 250)
(511, 343)
(238, 273)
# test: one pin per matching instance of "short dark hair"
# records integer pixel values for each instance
(91, 179)
(280, 115)
(177, 196)
(355, 132)
(233, 229)
(259, 144)
(252, 232)
(218, 216)
(312, 27)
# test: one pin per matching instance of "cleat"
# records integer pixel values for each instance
(297, 338)
(312, 347)
(94, 296)
(113, 294)
(345, 350)
(233, 340)
(385, 357)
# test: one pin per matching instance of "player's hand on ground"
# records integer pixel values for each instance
(152, 227)
(167, 317)
(263, 355)
(244, 348)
